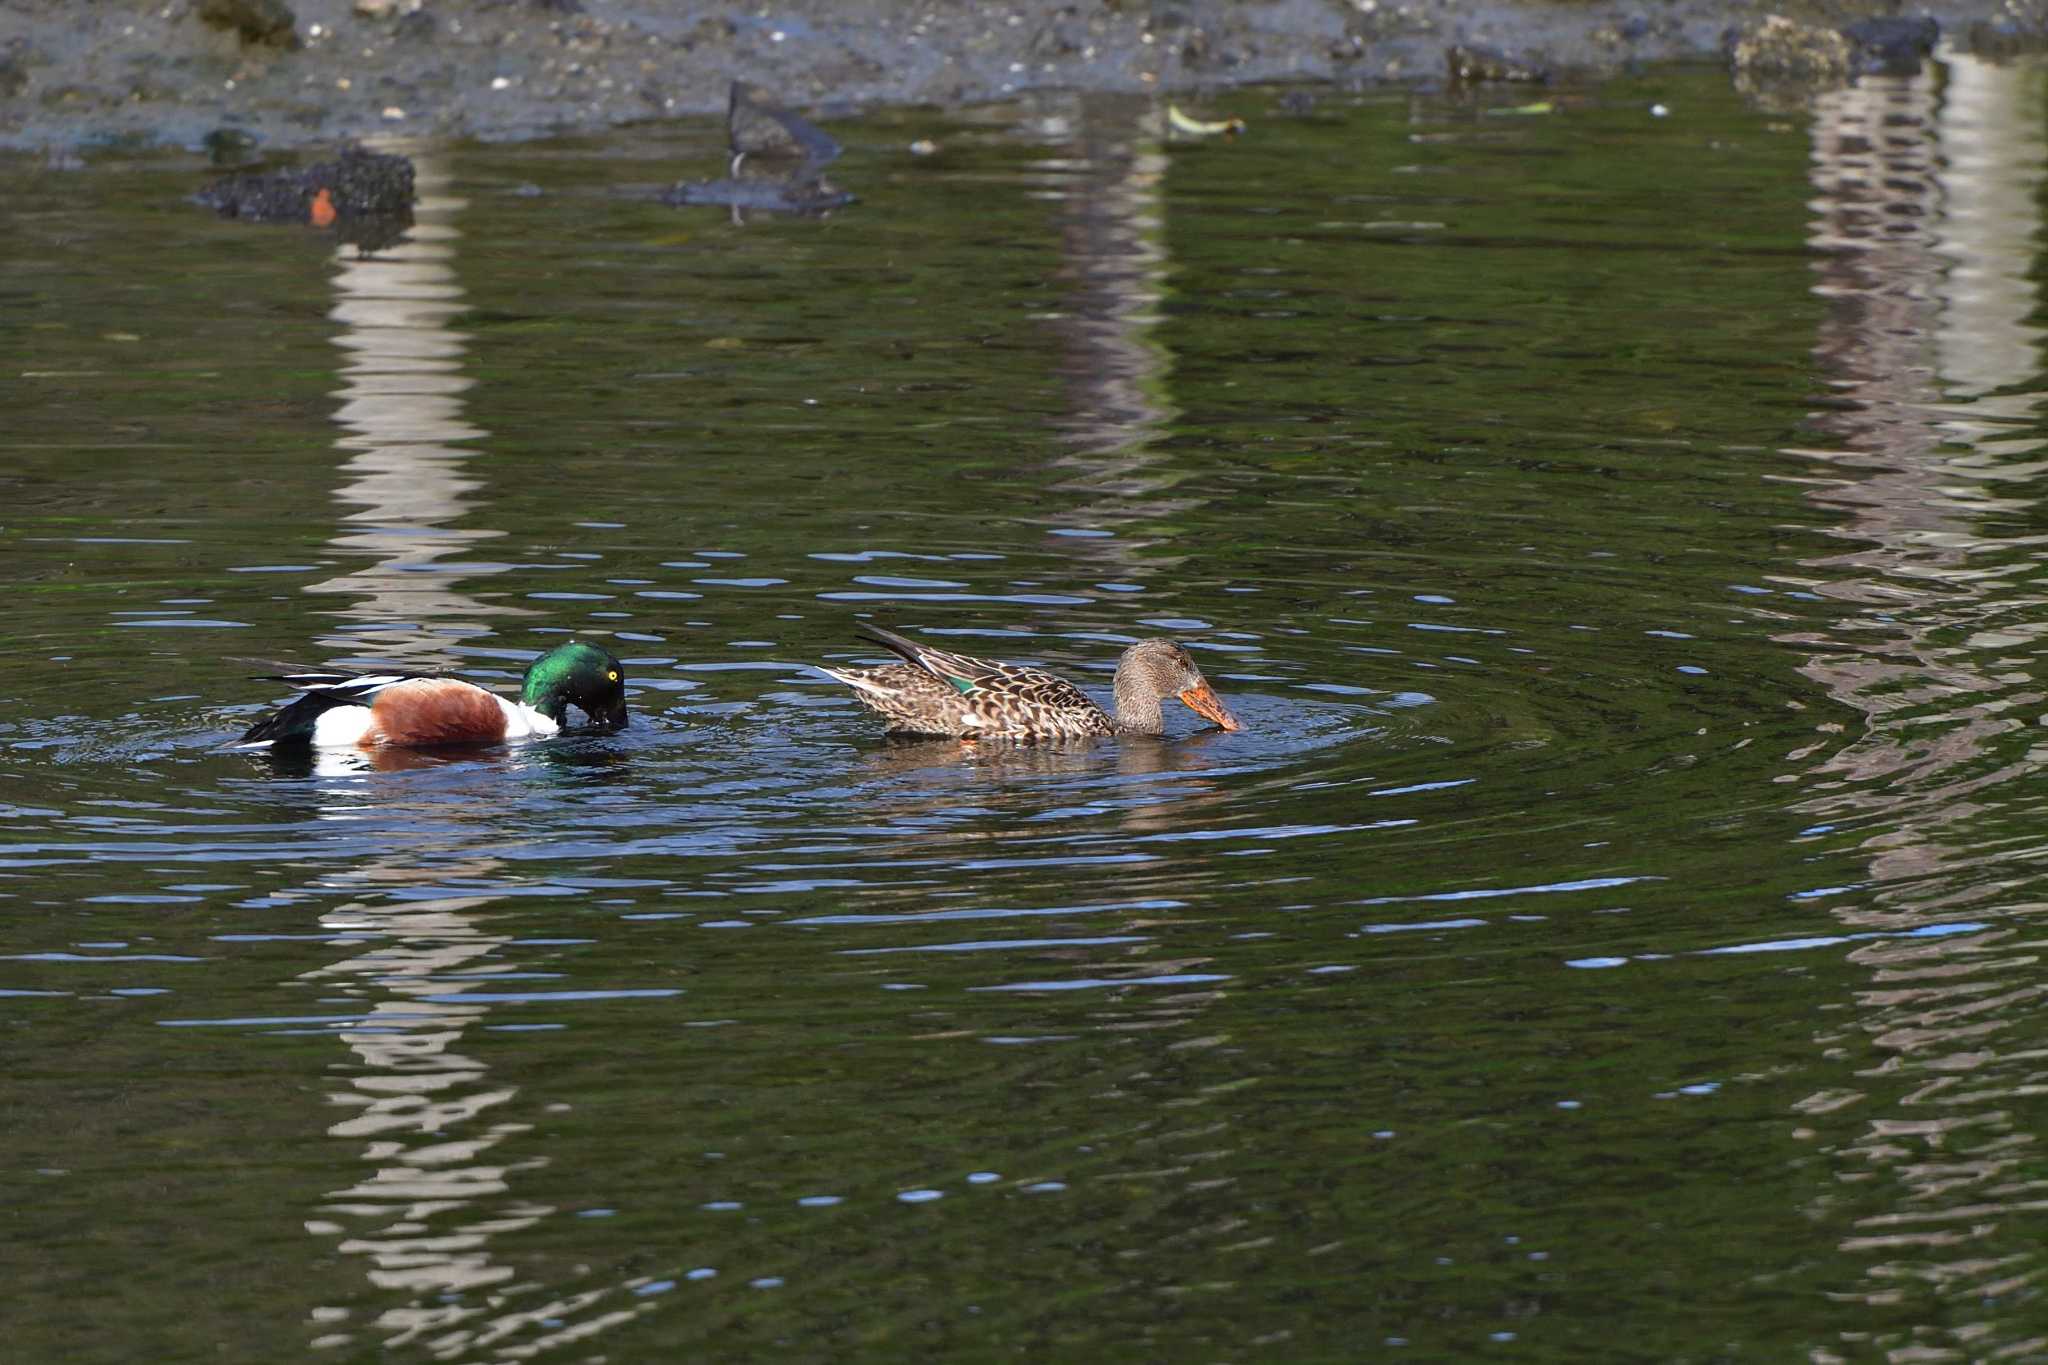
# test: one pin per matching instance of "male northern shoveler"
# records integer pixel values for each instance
(366, 710)
(940, 693)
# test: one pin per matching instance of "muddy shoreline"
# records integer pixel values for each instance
(282, 74)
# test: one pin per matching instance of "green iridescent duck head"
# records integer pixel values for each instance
(579, 675)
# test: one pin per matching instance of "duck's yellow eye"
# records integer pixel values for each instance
(611, 675)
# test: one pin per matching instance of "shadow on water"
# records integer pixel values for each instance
(1612, 924)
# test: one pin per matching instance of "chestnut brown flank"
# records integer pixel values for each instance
(435, 711)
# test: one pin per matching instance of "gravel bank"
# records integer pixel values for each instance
(290, 73)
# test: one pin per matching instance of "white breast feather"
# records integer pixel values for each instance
(523, 722)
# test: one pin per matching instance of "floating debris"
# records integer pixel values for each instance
(1194, 127)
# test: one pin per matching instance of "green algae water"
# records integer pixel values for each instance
(1611, 936)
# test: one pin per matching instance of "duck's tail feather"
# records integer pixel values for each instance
(271, 668)
(294, 724)
(963, 672)
(859, 679)
(908, 649)
(305, 679)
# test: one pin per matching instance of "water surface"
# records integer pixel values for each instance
(1613, 925)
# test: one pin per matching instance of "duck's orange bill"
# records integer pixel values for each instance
(1203, 701)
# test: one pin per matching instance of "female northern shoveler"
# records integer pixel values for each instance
(366, 710)
(941, 693)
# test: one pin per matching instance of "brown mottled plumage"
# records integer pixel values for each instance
(938, 692)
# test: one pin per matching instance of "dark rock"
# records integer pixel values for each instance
(1779, 61)
(229, 146)
(267, 22)
(357, 185)
(711, 31)
(1207, 36)
(13, 70)
(1472, 64)
(1892, 46)
(2005, 38)
(414, 26)
(1063, 35)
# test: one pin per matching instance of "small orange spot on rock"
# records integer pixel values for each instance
(322, 212)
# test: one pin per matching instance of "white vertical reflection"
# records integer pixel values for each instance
(402, 414)
(1993, 152)
(419, 1104)
(1114, 267)
(1928, 218)
(433, 1191)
